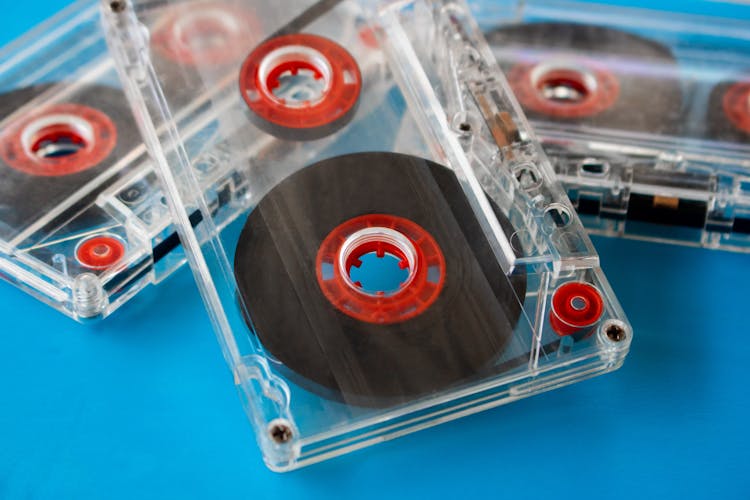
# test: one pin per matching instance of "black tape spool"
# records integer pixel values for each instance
(719, 126)
(455, 340)
(24, 196)
(645, 104)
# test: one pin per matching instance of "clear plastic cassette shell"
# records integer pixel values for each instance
(645, 114)
(83, 222)
(365, 130)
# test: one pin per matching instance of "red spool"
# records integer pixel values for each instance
(597, 87)
(736, 104)
(90, 132)
(575, 306)
(100, 252)
(381, 233)
(328, 61)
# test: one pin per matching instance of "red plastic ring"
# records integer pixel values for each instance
(736, 103)
(367, 36)
(224, 31)
(100, 252)
(381, 233)
(290, 53)
(599, 88)
(575, 306)
(89, 129)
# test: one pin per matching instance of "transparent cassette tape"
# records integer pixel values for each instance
(83, 222)
(407, 256)
(645, 114)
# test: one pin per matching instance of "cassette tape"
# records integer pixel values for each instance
(645, 114)
(407, 256)
(83, 221)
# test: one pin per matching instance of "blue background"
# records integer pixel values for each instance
(143, 406)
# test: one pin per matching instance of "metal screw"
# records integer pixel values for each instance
(281, 433)
(117, 6)
(464, 127)
(615, 332)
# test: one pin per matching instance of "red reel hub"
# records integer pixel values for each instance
(328, 99)
(382, 234)
(564, 90)
(576, 306)
(736, 104)
(61, 139)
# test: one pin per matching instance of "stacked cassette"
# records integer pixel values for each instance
(370, 135)
(645, 114)
(83, 222)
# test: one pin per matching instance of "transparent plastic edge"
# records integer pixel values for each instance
(87, 296)
(128, 43)
(47, 31)
(147, 101)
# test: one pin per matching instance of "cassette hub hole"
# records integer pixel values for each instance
(101, 250)
(563, 84)
(563, 89)
(416, 268)
(56, 136)
(578, 303)
(295, 76)
(575, 306)
(378, 261)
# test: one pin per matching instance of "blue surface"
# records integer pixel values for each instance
(143, 406)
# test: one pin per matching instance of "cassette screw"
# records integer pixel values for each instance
(117, 6)
(280, 432)
(615, 332)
